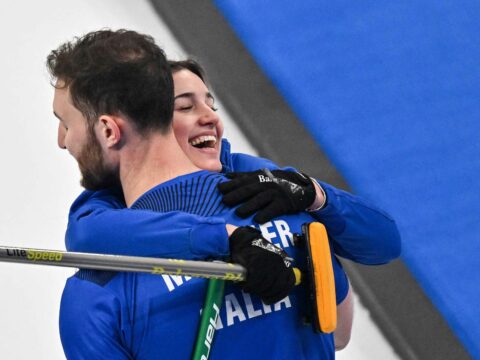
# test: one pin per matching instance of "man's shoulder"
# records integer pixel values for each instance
(194, 193)
(87, 200)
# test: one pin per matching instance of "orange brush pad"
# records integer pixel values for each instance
(322, 278)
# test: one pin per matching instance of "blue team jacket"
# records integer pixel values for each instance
(106, 315)
(358, 230)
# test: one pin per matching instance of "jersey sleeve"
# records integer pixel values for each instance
(90, 320)
(359, 231)
(341, 280)
(100, 223)
(245, 162)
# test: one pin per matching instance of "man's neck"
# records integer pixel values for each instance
(145, 163)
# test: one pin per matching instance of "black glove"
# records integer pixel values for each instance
(269, 194)
(270, 275)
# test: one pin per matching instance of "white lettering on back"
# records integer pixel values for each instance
(251, 312)
(267, 309)
(284, 233)
(285, 301)
(178, 280)
(265, 233)
(233, 309)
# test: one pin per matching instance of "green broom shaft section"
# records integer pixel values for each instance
(208, 321)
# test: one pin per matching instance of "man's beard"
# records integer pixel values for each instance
(96, 174)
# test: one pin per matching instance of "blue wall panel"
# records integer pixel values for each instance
(391, 91)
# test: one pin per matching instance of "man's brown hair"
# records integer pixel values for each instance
(116, 73)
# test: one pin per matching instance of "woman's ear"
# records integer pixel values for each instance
(110, 132)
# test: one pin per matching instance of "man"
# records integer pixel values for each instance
(113, 97)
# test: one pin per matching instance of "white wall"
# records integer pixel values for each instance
(38, 181)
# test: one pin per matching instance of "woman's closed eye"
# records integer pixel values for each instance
(184, 108)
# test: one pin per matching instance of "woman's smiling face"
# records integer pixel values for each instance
(197, 127)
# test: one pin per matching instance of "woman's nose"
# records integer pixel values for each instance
(208, 117)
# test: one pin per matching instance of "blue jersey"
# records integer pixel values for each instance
(143, 316)
(359, 231)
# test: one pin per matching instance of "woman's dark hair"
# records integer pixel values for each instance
(190, 65)
(116, 73)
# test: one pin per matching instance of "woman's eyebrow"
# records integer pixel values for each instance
(192, 95)
(185, 95)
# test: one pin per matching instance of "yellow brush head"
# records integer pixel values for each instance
(322, 281)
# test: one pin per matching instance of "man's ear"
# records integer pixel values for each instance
(110, 130)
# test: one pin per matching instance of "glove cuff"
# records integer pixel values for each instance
(324, 203)
(242, 237)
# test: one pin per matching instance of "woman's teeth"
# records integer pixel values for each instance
(204, 141)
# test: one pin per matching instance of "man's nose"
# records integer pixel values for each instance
(61, 137)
